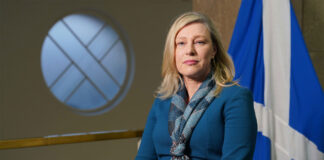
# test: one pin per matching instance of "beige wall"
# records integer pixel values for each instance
(28, 108)
(313, 31)
(222, 13)
(310, 14)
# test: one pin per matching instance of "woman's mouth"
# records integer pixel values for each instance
(190, 62)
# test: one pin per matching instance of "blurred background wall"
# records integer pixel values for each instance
(28, 108)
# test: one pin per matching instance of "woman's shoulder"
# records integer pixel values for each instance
(160, 106)
(158, 101)
(235, 90)
(235, 96)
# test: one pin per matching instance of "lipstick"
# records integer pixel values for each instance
(190, 62)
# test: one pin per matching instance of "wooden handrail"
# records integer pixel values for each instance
(69, 138)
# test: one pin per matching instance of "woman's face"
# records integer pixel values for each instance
(194, 51)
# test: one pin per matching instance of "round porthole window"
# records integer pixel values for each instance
(87, 63)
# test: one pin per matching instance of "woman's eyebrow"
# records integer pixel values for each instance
(200, 36)
(197, 36)
(182, 37)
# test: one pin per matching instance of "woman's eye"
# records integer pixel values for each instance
(180, 43)
(200, 42)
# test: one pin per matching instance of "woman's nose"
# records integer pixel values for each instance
(190, 49)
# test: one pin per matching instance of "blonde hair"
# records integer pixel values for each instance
(222, 64)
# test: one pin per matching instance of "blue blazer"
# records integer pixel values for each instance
(227, 129)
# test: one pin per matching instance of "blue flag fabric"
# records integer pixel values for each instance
(271, 59)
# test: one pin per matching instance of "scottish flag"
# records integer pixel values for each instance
(271, 59)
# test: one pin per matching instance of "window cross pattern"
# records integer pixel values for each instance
(84, 62)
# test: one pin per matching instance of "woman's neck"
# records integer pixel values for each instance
(192, 86)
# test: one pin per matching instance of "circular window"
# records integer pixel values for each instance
(87, 63)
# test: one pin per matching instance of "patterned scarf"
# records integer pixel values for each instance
(184, 117)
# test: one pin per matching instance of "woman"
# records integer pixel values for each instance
(200, 112)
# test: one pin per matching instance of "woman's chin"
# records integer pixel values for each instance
(197, 76)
